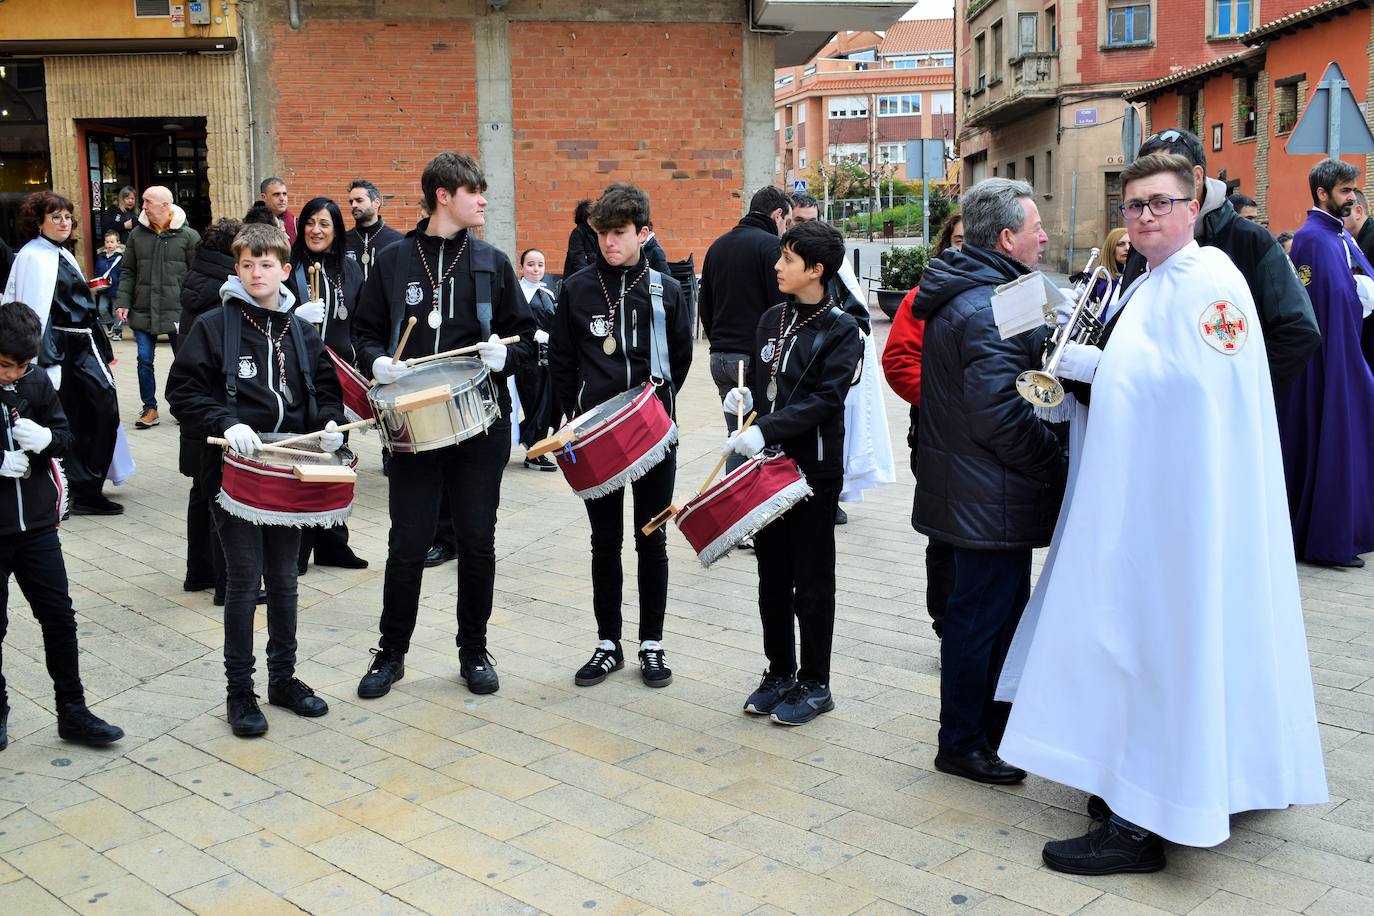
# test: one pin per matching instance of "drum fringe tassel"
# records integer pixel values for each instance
(1059, 413)
(780, 501)
(257, 516)
(646, 463)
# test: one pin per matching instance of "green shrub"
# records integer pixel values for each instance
(901, 268)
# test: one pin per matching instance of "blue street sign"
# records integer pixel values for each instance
(799, 184)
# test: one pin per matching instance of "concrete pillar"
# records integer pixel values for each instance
(495, 141)
(757, 83)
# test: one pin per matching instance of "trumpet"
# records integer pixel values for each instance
(1040, 386)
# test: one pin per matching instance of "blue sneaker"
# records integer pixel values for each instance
(804, 702)
(769, 694)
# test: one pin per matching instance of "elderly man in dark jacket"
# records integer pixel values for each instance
(991, 474)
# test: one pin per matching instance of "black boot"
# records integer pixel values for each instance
(245, 717)
(476, 666)
(77, 724)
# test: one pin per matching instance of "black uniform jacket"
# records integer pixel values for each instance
(31, 503)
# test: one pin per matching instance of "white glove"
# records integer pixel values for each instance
(735, 397)
(493, 353)
(55, 376)
(541, 337)
(386, 372)
(30, 436)
(748, 443)
(312, 311)
(242, 439)
(1061, 314)
(16, 465)
(331, 441)
(1079, 362)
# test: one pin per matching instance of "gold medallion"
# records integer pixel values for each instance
(609, 346)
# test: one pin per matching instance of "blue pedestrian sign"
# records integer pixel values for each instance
(799, 184)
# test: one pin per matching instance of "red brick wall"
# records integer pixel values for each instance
(605, 104)
(391, 96)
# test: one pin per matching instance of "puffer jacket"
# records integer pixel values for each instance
(200, 290)
(155, 264)
(991, 475)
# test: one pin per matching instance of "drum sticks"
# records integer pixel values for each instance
(461, 351)
(658, 521)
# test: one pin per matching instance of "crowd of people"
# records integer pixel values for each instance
(1214, 432)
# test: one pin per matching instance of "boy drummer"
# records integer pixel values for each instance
(807, 354)
(463, 292)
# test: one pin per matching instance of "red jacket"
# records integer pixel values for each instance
(902, 354)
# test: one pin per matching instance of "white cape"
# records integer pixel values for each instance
(1163, 663)
(33, 278)
(867, 445)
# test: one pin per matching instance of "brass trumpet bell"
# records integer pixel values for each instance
(1040, 388)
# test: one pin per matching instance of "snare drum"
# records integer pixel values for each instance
(99, 284)
(469, 410)
(618, 442)
(750, 496)
(265, 489)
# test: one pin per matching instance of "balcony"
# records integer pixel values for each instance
(788, 134)
(1034, 80)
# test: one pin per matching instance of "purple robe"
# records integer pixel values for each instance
(1326, 420)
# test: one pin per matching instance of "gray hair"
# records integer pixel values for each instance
(990, 206)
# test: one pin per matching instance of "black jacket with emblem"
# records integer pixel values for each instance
(990, 474)
(370, 240)
(816, 367)
(583, 374)
(32, 503)
(399, 287)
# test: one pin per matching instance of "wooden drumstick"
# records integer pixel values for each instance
(314, 271)
(405, 335)
(305, 437)
(224, 443)
(748, 421)
(461, 351)
(658, 521)
(739, 408)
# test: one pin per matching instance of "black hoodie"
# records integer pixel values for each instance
(990, 474)
(200, 290)
(739, 283)
(32, 503)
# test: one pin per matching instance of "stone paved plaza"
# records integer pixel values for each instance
(546, 797)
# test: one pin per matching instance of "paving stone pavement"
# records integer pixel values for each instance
(549, 797)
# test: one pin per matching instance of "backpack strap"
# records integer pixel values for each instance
(658, 320)
(483, 265)
(233, 328)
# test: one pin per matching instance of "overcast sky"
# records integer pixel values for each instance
(931, 9)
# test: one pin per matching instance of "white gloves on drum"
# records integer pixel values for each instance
(386, 371)
(541, 337)
(1079, 362)
(735, 397)
(30, 436)
(330, 440)
(493, 353)
(16, 465)
(242, 439)
(312, 311)
(55, 376)
(748, 443)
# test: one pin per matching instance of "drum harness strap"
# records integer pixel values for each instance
(481, 264)
(659, 370)
(233, 327)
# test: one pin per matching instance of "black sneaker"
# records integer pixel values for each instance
(769, 693)
(297, 697)
(602, 663)
(96, 504)
(654, 669)
(477, 667)
(245, 717)
(804, 702)
(386, 669)
(77, 724)
(1107, 850)
(542, 463)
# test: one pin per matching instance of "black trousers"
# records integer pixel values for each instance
(991, 588)
(939, 555)
(204, 555)
(796, 557)
(328, 544)
(651, 493)
(34, 558)
(253, 554)
(92, 410)
(469, 473)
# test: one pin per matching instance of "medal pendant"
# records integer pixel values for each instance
(609, 346)
(366, 259)
(286, 393)
(772, 391)
(341, 313)
(434, 319)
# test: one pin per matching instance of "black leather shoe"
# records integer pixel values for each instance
(1352, 563)
(219, 597)
(245, 717)
(1107, 850)
(196, 585)
(980, 766)
(386, 669)
(1098, 809)
(297, 697)
(99, 504)
(439, 554)
(349, 560)
(77, 724)
(840, 517)
(4, 727)
(476, 667)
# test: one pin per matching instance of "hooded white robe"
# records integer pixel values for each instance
(1167, 670)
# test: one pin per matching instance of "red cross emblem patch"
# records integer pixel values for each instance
(1224, 327)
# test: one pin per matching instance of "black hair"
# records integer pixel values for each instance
(268, 182)
(800, 199)
(1284, 236)
(259, 215)
(766, 200)
(110, 232)
(580, 212)
(36, 207)
(371, 189)
(451, 171)
(219, 235)
(1328, 173)
(525, 253)
(815, 243)
(300, 253)
(619, 205)
(1238, 200)
(1179, 142)
(20, 331)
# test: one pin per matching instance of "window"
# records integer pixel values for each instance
(801, 113)
(782, 81)
(1026, 29)
(1232, 17)
(902, 63)
(144, 9)
(942, 103)
(1052, 28)
(848, 106)
(864, 59)
(857, 152)
(777, 165)
(889, 105)
(777, 119)
(1286, 104)
(809, 70)
(1030, 170)
(1049, 172)
(997, 50)
(1011, 170)
(1128, 24)
(980, 56)
(801, 158)
(1246, 103)
(1192, 113)
(892, 152)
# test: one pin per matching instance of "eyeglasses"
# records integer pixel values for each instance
(1159, 205)
(1167, 136)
